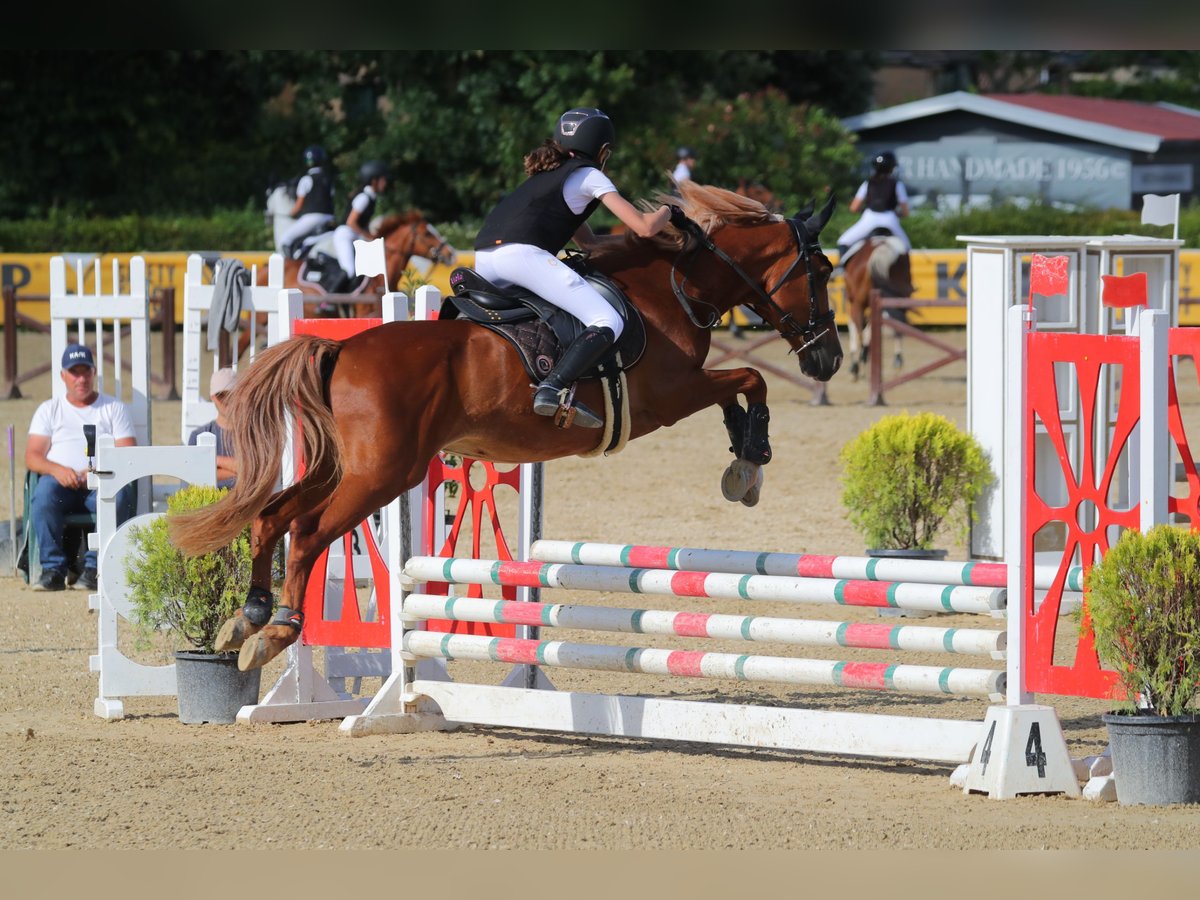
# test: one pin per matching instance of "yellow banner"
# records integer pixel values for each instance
(29, 274)
(937, 274)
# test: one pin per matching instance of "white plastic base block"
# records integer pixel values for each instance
(1022, 752)
(107, 708)
(1101, 789)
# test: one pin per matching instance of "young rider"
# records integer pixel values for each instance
(313, 210)
(522, 236)
(373, 176)
(885, 199)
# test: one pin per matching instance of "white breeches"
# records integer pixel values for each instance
(309, 223)
(550, 278)
(869, 221)
(343, 242)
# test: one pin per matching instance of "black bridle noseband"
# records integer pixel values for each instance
(818, 324)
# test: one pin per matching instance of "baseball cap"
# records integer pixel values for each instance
(222, 380)
(77, 354)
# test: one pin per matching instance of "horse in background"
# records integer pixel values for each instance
(756, 190)
(881, 263)
(374, 409)
(405, 236)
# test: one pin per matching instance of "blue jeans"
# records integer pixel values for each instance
(52, 503)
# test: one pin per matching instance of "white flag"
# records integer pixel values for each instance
(1159, 210)
(369, 258)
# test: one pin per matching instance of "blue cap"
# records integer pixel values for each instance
(77, 354)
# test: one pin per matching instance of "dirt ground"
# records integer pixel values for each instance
(71, 780)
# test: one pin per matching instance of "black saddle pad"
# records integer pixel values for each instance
(538, 329)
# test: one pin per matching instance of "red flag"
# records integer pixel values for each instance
(1126, 290)
(1048, 276)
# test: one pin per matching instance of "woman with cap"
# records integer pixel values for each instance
(219, 386)
(886, 200)
(687, 162)
(373, 176)
(522, 236)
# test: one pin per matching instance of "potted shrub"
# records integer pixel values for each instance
(1143, 613)
(189, 598)
(906, 477)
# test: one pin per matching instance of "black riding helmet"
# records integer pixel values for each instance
(585, 130)
(684, 153)
(372, 169)
(884, 163)
(315, 156)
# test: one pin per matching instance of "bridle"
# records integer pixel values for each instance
(413, 229)
(818, 324)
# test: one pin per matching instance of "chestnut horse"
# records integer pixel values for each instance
(374, 409)
(404, 236)
(882, 264)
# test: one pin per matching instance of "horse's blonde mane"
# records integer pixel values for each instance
(709, 207)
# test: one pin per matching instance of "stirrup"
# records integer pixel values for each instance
(561, 404)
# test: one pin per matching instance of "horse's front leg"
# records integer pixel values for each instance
(747, 427)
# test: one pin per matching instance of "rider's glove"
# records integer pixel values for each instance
(679, 218)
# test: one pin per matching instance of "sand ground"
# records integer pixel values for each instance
(71, 780)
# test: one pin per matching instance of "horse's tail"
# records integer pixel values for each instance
(287, 378)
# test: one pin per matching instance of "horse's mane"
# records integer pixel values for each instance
(396, 220)
(709, 207)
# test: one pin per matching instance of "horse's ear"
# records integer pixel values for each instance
(803, 214)
(814, 224)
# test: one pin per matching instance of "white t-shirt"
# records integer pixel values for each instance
(63, 424)
(363, 199)
(585, 185)
(682, 172)
(901, 192)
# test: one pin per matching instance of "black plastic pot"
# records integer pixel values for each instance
(1156, 759)
(211, 688)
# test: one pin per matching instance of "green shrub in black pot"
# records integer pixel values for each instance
(189, 597)
(1143, 613)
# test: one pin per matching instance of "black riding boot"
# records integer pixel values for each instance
(585, 352)
(842, 250)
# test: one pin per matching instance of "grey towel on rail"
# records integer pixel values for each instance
(229, 293)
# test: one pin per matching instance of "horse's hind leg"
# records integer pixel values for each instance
(266, 530)
(351, 502)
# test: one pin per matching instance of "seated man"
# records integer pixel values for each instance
(57, 450)
(219, 386)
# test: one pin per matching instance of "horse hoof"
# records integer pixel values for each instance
(263, 646)
(234, 633)
(898, 362)
(751, 498)
(738, 479)
(854, 371)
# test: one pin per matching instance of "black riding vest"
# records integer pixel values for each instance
(320, 198)
(881, 194)
(536, 213)
(365, 215)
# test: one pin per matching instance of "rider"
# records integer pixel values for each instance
(313, 210)
(687, 162)
(521, 237)
(373, 175)
(886, 201)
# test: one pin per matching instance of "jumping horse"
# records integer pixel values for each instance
(374, 409)
(881, 264)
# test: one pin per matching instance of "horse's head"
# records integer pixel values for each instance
(797, 302)
(411, 234)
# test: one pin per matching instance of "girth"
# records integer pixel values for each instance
(538, 329)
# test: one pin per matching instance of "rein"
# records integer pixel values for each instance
(788, 326)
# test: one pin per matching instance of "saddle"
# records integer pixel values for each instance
(868, 241)
(538, 329)
(319, 265)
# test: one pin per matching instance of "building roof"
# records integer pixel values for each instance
(1119, 123)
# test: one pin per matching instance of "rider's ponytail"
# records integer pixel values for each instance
(548, 155)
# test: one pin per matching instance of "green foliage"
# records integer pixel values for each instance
(188, 596)
(798, 152)
(1143, 611)
(62, 231)
(907, 474)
